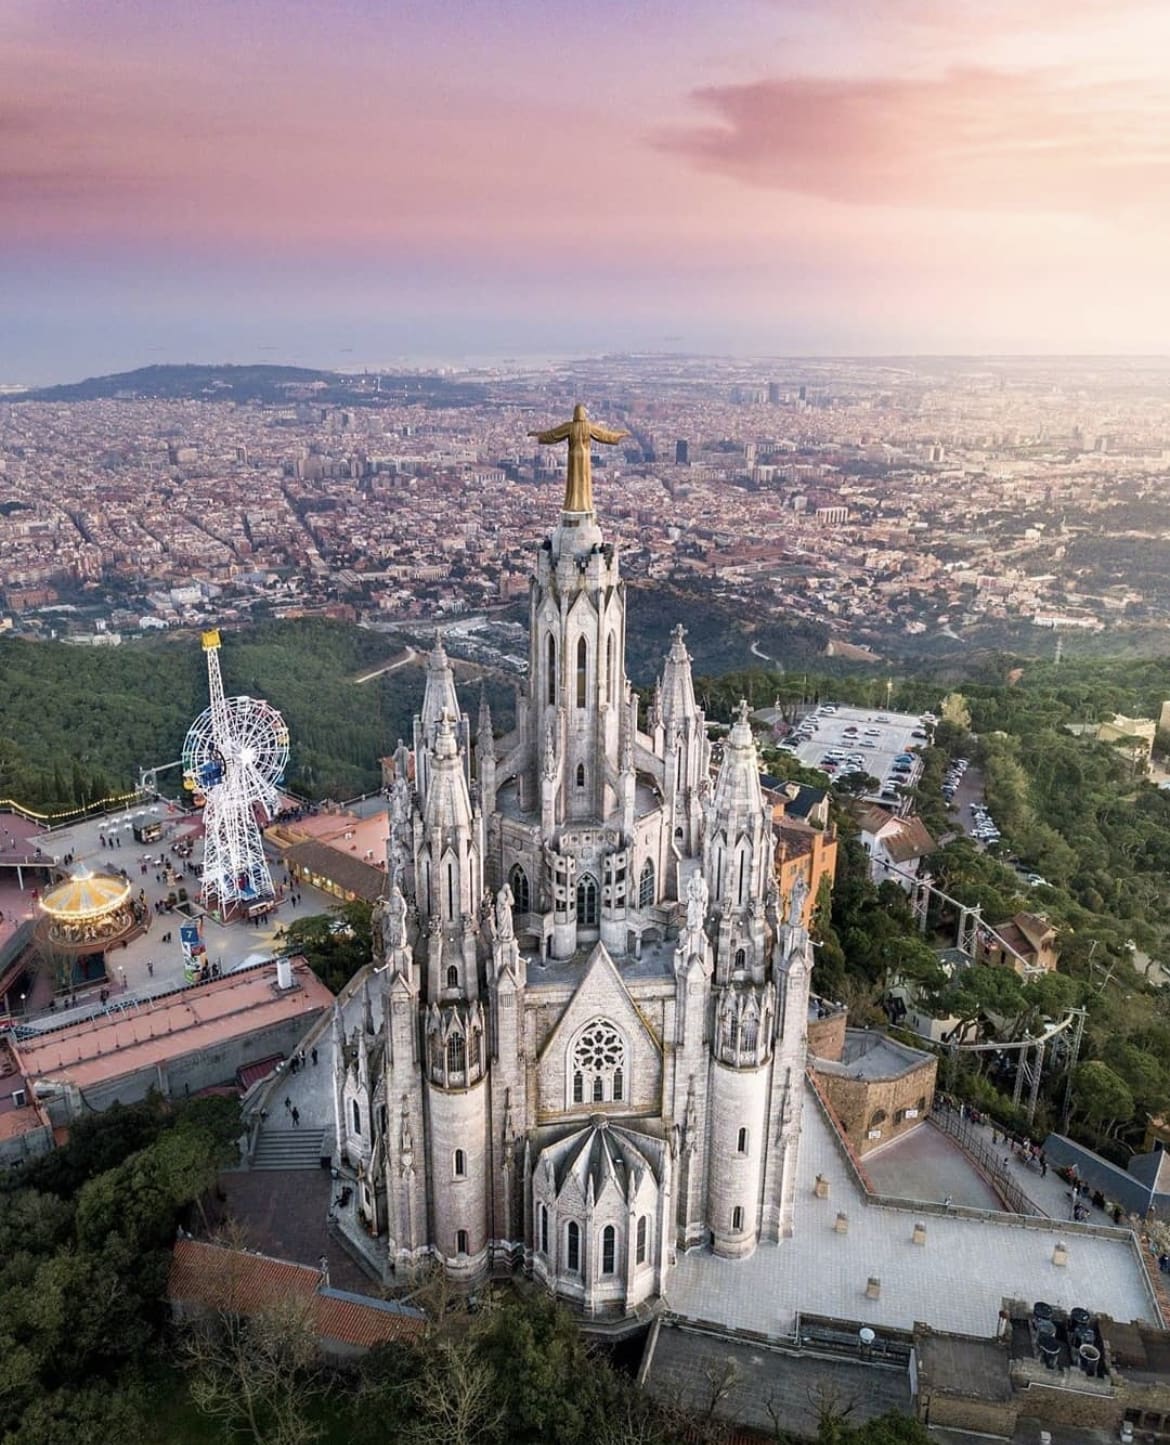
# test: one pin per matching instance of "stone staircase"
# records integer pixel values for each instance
(289, 1149)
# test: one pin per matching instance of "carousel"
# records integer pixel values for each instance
(80, 919)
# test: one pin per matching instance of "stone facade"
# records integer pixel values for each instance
(878, 1089)
(583, 1046)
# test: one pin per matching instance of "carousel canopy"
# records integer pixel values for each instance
(86, 896)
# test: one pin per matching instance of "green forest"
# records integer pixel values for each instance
(78, 723)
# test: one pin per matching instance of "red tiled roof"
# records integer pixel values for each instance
(216, 1278)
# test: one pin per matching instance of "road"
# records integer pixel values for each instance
(969, 791)
(408, 655)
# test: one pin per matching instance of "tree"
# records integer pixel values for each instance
(1100, 1096)
(256, 1373)
(456, 1397)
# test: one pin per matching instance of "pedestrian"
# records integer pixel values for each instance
(314, 1053)
(150, 966)
(287, 1102)
(296, 1116)
(1043, 1167)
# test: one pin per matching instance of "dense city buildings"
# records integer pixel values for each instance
(901, 508)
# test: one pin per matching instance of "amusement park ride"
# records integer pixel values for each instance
(234, 758)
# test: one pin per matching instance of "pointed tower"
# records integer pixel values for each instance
(684, 738)
(737, 856)
(439, 700)
(448, 870)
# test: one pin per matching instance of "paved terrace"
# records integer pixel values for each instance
(957, 1281)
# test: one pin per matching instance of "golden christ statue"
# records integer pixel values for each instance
(578, 433)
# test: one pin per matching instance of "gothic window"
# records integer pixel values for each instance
(599, 1060)
(587, 901)
(357, 1119)
(456, 1054)
(751, 1033)
(580, 775)
(740, 958)
(678, 768)
(582, 665)
(544, 1229)
(608, 1249)
(451, 891)
(552, 668)
(574, 1248)
(461, 1241)
(611, 682)
(473, 1050)
(646, 885)
(640, 1241)
(460, 1164)
(452, 977)
(518, 883)
(742, 873)
(737, 1218)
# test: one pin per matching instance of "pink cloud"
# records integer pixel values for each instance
(971, 139)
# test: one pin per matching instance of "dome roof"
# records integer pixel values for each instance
(86, 895)
(604, 1153)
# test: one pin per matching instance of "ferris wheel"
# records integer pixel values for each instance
(234, 757)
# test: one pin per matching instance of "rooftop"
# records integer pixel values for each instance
(957, 1281)
(183, 1022)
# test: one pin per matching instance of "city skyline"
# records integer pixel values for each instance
(765, 177)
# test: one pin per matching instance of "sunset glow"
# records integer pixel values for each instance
(372, 180)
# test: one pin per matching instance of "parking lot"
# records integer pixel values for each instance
(839, 740)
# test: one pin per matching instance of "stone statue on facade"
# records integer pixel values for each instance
(580, 433)
(797, 898)
(504, 901)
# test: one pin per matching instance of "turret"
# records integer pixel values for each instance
(684, 742)
(439, 700)
(485, 759)
(737, 856)
(448, 853)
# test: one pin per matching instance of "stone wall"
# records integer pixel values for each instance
(874, 1111)
(826, 1036)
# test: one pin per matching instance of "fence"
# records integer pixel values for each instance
(988, 1160)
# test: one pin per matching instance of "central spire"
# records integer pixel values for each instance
(579, 433)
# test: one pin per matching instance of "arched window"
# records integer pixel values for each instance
(451, 891)
(574, 1247)
(544, 1229)
(552, 668)
(461, 1164)
(582, 667)
(742, 1142)
(598, 1063)
(646, 885)
(740, 958)
(610, 678)
(587, 901)
(461, 1241)
(357, 1119)
(608, 1249)
(452, 977)
(518, 883)
(751, 1033)
(473, 1051)
(678, 767)
(737, 1218)
(640, 1241)
(456, 1054)
(877, 1119)
(742, 873)
(580, 775)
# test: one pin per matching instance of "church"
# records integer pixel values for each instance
(581, 1046)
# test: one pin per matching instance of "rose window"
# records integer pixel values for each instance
(599, 1065)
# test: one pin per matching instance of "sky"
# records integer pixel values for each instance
(366, 182)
